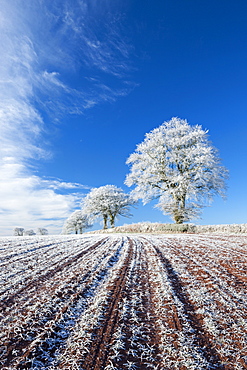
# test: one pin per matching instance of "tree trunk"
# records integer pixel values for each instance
(179, 210)
(105, 221)
(112, 221)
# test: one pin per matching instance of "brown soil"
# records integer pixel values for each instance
(138, 327)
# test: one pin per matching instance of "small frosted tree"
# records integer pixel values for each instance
(42, 231)
(176, 164)
(18, 231)
(77, 222)
(107, 202)
(29, 232)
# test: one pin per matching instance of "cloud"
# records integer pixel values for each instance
(30, 201)
(41, 44)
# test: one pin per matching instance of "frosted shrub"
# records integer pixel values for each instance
(148, 227)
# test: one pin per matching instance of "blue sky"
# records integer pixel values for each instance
(82, 81)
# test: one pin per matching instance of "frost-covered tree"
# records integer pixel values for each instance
(18, 231)
(77, 222)
(42, 231)
(107, 202)
(177, 164)
(29, 232)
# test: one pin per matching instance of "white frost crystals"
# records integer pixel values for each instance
(77, 222)
(123, 302)
(177, 164)
(107, 202)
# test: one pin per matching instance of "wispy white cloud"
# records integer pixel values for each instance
(41, 42)
(51, 80)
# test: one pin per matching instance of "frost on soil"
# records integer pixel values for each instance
(96, 302)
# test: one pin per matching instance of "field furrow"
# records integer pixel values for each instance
(95, 302)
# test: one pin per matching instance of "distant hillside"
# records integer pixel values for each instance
(149, 227)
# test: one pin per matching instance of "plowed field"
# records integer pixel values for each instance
(97, 302)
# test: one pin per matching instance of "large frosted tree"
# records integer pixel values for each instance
(177, 165)
(107, 202)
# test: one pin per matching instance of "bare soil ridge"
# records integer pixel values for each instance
(98, 302)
